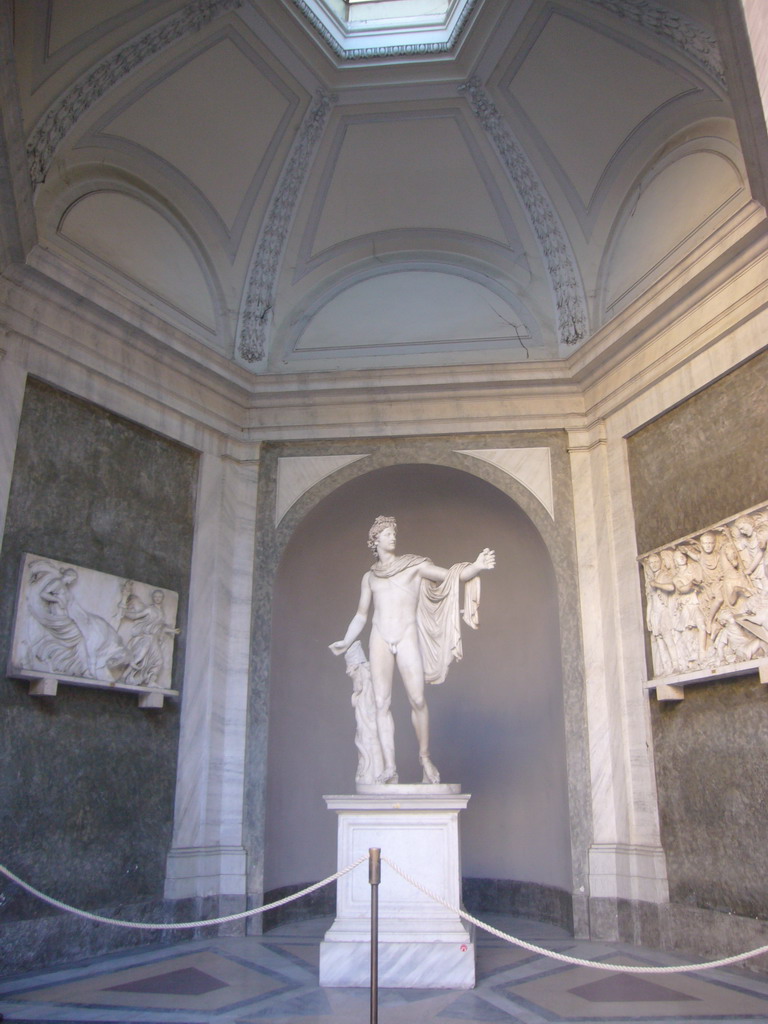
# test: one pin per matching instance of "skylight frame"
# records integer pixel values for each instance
(416, 34)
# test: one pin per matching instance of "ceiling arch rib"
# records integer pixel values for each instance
(414, 309)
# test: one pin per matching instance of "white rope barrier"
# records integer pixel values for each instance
(531, 947)
(177, 926)
(628, 968)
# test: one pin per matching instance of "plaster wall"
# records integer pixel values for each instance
(497, 721)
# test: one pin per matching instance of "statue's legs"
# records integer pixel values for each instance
(412, 671)
(382, 663)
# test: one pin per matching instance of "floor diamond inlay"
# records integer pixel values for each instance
(628, 988)
(186, 981)
(273, 979)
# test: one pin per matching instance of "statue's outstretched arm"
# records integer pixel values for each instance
(485, 560)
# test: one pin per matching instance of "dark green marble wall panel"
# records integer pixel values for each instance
(87, 778)
(712, 770)
(702, 461)
(696, 465)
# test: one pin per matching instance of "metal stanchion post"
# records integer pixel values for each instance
(374, 877)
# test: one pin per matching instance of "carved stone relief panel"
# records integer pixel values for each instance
(89, 628)
(707, 598)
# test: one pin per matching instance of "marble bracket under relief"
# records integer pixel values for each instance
(707, 604)
(87, 628)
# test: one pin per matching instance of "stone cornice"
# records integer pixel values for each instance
(628, 373)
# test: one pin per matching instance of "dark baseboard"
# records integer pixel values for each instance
(321, 903)
(521, 899)
(489, 895)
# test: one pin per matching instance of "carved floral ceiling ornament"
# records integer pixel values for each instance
(558, 256)
(256, 318)
(60, 118)
(252, 341)
(684, 33)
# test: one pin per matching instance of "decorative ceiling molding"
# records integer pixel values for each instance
(413, 49)
(297, 473)
(694, 40)
(256, 317)
(572, 324)
(532, 467)
(160, 152)
(61, 117)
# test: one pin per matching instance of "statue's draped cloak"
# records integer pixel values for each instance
(438, 613)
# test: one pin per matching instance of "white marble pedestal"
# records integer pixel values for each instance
(421, 943)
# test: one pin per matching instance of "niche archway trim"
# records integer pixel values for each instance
(297, 474)
(447, 451)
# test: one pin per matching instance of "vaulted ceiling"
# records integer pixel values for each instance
(227, 168)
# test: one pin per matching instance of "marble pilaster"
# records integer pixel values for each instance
(207, 857)
(625, 858)
(12, 381)
(643, 801)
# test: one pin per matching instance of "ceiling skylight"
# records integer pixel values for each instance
(363, 29)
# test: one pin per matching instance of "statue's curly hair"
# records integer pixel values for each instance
(379, 525)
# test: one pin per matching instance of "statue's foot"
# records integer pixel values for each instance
(431, 774)
(388, 775)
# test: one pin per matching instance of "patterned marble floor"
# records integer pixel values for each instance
(274, 978)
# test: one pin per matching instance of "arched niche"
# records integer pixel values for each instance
(498, 722)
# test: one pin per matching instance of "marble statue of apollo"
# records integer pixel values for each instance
(416, 626)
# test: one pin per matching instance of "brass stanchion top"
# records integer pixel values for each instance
(374, 865)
